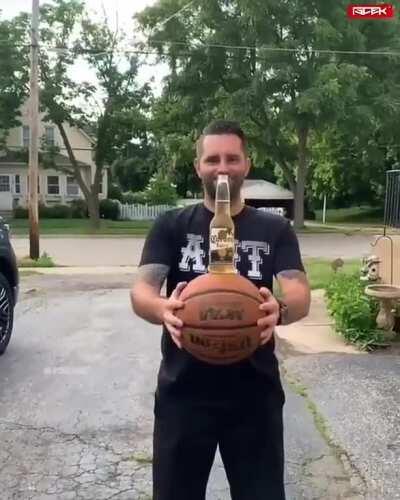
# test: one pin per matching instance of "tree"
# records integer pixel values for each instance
(14, 78)
(284, 82)
(116, 115)
(161, 190)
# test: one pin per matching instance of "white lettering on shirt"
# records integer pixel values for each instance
(193, 254)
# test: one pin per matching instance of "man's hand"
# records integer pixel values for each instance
(271, 307)
(172, 323)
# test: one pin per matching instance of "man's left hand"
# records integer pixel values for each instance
(271, 308)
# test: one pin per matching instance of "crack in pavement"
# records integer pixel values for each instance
(82, 466)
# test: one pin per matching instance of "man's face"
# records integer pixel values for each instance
(222, 154)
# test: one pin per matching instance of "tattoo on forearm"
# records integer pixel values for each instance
(293, 274)
(152, 274)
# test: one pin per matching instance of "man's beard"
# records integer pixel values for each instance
(235, 184)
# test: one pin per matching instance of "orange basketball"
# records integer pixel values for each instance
(220, 318)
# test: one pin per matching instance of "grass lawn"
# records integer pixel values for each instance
(81, 227)
(352, 220)
(319, 271)
(352, 215)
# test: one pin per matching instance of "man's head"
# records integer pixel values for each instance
(222, 149)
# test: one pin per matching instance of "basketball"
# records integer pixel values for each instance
(220, 318)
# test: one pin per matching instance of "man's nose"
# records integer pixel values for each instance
(223, 167)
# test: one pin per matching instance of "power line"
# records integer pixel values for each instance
(226, 46)
(266, 49)
(161, 23)
(276, 49)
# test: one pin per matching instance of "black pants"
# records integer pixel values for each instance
(248, 430)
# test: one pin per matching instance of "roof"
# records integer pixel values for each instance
(259, 189)
(21, 158)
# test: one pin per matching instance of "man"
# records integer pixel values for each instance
(199, 406)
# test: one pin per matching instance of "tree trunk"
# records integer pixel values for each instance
(89, 192)
(302, 134)
(94, 210)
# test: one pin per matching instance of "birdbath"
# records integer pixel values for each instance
(386, 294)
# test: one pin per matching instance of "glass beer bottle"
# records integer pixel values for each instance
(222, 228)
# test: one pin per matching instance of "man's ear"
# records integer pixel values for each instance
(196, 166)
(248, 162)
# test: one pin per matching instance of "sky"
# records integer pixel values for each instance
(123, 10)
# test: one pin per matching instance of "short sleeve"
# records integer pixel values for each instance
(159, 244)
(287, 252)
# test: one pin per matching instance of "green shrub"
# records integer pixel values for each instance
(353, 311)
(109, 209)
(79, 209)
(138, 198)
(55, 212)
(20, 213)
(114, 192)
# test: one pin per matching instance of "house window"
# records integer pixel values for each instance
(49, 131)
(5, 184)
(25, 136)
(72, 187)
(53, 184)
(101, 187)
(17, 184)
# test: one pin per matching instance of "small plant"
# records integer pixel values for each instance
(44, 261)
(354, 312)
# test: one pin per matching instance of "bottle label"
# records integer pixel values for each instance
(221, 245)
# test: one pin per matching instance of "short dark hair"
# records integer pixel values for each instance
(222, 127)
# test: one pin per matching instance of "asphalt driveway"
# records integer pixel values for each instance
(76, 403)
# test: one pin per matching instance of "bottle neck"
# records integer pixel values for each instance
(222, 197)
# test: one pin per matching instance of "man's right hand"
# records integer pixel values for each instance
(172, 323)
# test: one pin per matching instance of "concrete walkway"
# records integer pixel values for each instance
(126, 251)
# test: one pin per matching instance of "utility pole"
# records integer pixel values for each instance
(34, 137)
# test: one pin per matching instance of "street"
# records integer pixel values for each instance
(126, 251)
(76, 403)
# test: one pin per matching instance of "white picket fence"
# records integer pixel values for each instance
(150, 212)
(141, 212)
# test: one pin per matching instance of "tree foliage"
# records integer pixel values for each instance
(270, 64)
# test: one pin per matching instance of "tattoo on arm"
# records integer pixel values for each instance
(152, 274)
(296, 294)
(293, 274)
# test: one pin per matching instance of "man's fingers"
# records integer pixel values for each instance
(173, 320)
(173, 304)
(266, 335)
(176, 335)
(265, 292)
(268, 321)
(178, 289)
(269, 306)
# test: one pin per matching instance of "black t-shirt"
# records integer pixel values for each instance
(265, 245)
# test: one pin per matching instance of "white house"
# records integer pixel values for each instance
(55, 186)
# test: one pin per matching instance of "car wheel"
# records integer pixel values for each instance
(6, 313)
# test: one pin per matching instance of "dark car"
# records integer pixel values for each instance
(9, 281)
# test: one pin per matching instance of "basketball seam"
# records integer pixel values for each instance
(219, 290)
(211, 327)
